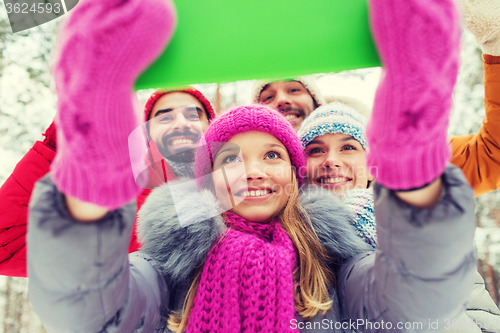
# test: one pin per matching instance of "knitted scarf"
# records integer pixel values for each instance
(181, 169)
(246, 284)
(360, 202)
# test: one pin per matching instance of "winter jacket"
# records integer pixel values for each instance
(15, 194)
(482, 314)
(478, 155)
(83, 280)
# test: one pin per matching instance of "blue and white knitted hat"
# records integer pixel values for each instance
(333, 118)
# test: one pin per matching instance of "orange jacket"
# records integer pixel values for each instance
(478, 155)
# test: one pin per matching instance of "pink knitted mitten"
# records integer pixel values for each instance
(418, 42)
(102, 49)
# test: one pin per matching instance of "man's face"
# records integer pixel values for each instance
(291, 98)
(176, 123)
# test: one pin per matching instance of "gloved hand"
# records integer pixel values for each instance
(102, 48)
(50, 136)
(407, 132)
(482, 19)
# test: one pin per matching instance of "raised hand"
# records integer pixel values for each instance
(102, 49)
(482, 19)
(418, 42)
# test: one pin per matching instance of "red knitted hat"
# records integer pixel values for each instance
(190, 90)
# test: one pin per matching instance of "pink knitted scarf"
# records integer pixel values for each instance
(247, 283)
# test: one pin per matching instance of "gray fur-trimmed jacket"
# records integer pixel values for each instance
(83, 280)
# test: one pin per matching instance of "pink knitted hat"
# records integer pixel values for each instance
(243, 119)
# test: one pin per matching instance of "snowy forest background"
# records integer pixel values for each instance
(27, 107)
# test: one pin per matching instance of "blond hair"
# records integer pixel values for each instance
(312, 276)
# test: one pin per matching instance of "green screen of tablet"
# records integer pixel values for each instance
(229, 40)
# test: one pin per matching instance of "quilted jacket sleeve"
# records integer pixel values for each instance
(15, 194)
(424, 266)
(478, 155)
(81, 278)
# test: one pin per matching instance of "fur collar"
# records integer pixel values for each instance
(179, 248)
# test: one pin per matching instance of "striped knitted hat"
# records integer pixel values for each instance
(307, 81)
(243, 119)
(333, 118)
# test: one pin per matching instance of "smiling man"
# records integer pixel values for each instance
(296, 98)
(175, 121)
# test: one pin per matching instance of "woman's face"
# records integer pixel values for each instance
(252, 176)
(337, 162)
